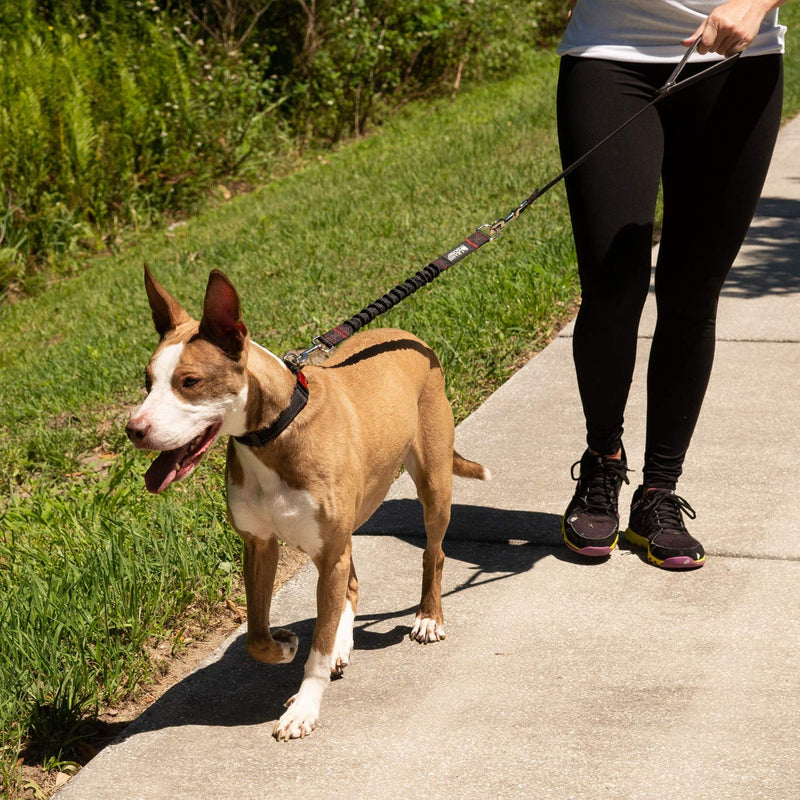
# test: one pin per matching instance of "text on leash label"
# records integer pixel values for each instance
(460, 251)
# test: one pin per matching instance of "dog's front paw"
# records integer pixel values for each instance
(295, 723)
(427, 630)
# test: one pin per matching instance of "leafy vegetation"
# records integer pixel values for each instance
(92, 591)
(120, 113)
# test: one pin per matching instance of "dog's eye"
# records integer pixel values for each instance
(148, 384)
(189, 382)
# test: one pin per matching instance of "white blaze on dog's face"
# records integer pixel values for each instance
(196, 382)
(190, 389)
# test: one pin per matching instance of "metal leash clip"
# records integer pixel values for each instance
(300, 358)
(491, 232)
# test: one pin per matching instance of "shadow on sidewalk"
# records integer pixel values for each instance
(497, 544)
(235, 690)
(773, 243)
(403, 518)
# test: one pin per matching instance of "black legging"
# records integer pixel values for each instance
(710, 144)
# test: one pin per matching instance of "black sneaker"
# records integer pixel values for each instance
(590, 525)
(656, 523)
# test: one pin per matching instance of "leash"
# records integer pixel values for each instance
(488, 232)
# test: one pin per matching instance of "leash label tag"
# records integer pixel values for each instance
(458, 253)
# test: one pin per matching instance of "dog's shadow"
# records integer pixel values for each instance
(236, 690)
(496, 543)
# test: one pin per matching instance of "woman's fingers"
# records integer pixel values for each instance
(729, 29)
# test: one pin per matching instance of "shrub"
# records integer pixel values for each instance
(344, 63)
(114, 113)
(115, 125)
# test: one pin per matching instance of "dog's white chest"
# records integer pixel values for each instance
(264, 506)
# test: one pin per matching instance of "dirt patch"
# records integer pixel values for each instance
(40, 784)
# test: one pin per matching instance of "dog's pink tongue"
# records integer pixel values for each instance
(163, 470)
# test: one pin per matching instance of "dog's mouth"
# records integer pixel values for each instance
(174, 465)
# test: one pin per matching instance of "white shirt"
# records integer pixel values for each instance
(651, 30)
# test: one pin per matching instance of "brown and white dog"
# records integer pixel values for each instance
(375, 405)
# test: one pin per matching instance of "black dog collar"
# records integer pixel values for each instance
(298, 402)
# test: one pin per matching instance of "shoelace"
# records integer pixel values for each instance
(603, 484)
(669, 509)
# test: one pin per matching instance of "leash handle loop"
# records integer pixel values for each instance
(672, 81)
(672, 84)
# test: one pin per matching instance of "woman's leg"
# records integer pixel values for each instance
(719, 137)
(612, 200)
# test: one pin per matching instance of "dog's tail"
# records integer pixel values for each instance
(465, 468)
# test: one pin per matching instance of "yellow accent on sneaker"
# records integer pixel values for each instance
(640, 541)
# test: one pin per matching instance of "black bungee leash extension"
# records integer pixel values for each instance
(487, 233)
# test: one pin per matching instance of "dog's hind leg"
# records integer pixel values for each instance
(260, 564)
(430, 464)
(302, 714)
(435, 493)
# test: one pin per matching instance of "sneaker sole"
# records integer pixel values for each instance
(590, 551)
(673, 562)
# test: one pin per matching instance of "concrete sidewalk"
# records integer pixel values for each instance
(558, 678)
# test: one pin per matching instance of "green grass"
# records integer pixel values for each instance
(117, 114)
(92, 588)
(93, 570)
(790, 16)
(307, 251)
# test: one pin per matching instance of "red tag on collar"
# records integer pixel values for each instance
(302, 379)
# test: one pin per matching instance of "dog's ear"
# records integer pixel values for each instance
(222, 315)
(167, 312)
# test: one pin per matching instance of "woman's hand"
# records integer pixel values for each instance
(732, 26)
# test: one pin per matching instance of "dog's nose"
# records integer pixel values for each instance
(137, 430)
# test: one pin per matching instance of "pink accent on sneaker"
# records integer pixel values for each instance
(591, 552)
(680, 562)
